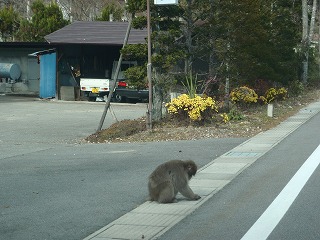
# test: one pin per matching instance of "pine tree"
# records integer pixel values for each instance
(45, 20)
(9, 22)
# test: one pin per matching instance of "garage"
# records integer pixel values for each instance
(88, 50)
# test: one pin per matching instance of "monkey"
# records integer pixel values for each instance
(170, 178)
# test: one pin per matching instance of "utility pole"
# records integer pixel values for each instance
(113, 83)
(149, 70)
(149, 65)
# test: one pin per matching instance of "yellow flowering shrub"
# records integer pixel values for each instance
(225, 117)
(194, 108)
(244, 95)
(282, 93)
(273, 94)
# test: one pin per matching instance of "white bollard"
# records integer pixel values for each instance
(270, 110)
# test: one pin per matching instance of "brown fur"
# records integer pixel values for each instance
(170, 178)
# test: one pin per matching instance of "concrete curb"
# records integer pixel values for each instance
(150, 220)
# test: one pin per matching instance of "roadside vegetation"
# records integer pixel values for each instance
(239, 121)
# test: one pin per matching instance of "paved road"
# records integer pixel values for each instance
(54, 188)
(234, 210)
(51, 121)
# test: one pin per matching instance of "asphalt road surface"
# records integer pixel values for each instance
(52, 187)
(276, 198)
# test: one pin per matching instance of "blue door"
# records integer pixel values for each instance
(48, 75)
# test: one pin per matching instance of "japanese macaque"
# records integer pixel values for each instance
(170, 178)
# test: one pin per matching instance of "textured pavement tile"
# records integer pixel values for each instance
(207, 183)
(130, 232)
(254, 147)
(230, 159)
(172, 208)
(203, 191)
(231, 168)
(216, 176)
(242, 154)
(148, 219)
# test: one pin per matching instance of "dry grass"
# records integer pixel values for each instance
(119, 131)
(254, 120)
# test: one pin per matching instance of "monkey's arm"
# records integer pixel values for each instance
(188, 193)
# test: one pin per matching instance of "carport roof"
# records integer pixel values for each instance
(99, 32)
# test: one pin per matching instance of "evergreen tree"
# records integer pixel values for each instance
(114, 9)
(45, 20)
(9, 22)
(167, 48)
(256, 39)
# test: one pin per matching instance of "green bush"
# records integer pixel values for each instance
(234, 114)
(296, 88)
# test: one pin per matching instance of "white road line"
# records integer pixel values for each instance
(271, 217)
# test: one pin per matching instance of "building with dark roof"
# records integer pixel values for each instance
(89, 48)
(96, 33)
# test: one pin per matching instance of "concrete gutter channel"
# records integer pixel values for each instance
(150, 220)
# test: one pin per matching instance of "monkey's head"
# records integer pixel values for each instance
(191, 168)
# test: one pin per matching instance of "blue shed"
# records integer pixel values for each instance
(48, 73)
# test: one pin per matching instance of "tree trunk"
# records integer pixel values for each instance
(312, 21)
(157, 99)
(305, 41)
(319, 36)
(307, 35)
(157, 103)
(188, 34)
(304, 19)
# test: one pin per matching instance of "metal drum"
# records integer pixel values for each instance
(10, 70)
